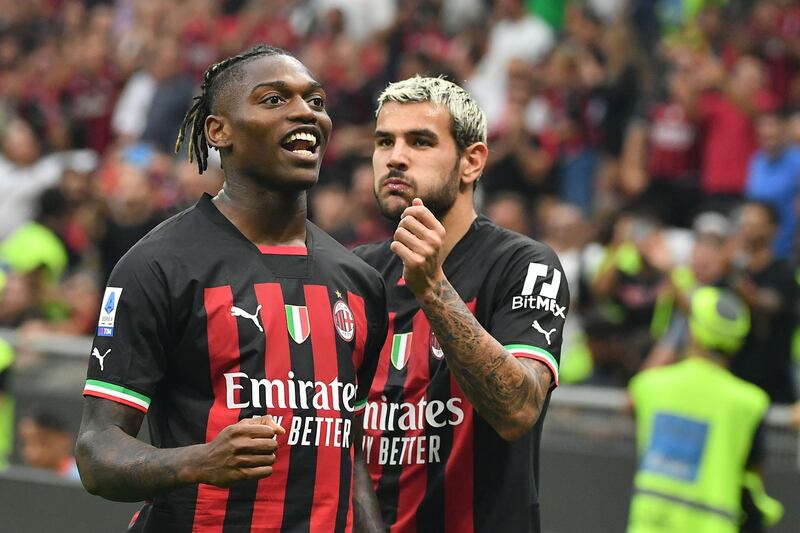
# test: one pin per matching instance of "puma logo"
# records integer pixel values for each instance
(546, 334)
(101, 358)
(236, 311)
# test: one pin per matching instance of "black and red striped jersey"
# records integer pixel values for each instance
(436, 464)
(200, 328)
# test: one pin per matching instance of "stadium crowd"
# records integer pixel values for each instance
(655, 145)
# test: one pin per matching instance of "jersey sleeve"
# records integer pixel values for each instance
(530, 306)
(377, 326)
(127, 360)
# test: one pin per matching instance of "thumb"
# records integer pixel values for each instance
(267, 420)
(417, 201)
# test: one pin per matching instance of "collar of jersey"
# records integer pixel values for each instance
(206, 205)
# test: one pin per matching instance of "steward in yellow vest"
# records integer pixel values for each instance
(696, 428)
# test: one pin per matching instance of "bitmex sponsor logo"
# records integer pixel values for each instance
(297, 394)
(546, 299)
(406, 416)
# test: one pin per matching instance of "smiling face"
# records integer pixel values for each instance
(415, 156)
(271, 125)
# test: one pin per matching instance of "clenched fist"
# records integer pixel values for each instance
(241, 451)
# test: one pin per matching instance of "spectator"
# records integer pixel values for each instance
(131, 214)
(661, 159)
(766, 283)
(514, 34)
(37, 244)
(172, 95)
(91, 91)
(774, 177)
(708, 266)
(727, 118)
(47, 443)
(25, 172)
(510, 210)
(630, 278)
(521, 159)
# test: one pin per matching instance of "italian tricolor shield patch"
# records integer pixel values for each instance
(401, 349)
(297, 322)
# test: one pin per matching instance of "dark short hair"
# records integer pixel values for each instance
(217, 79)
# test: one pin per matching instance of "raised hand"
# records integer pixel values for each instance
(418, 242)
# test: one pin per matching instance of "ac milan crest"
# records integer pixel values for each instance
(436, 349)
(344, 321)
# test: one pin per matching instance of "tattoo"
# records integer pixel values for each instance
(509, 393)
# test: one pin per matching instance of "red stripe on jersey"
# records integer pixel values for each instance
(375, 393)
(356, 304)
(223, 356)
(413, 477)
(114, 399)
(283, 250)
(268, 506)
(459, 476)
(349, 524)
(326, 369)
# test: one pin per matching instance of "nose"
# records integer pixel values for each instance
(301, 111)
(398, 157)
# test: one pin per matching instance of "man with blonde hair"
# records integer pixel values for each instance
(454, 416)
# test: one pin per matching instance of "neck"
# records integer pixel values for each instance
(759, 258)
(774, 152)
(266, 217)
(710, 356)
(458, 220)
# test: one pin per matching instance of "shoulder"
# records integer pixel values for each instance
(337, 255)
(376, 254)
(510, 247)
(166, 243)
(750, 395)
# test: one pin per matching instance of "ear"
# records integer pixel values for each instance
(217, 131)
(473, 161)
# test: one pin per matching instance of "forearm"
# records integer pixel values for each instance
(366, 510)
(118, 467)
(507, 393)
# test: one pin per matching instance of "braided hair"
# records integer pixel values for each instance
(216, 78)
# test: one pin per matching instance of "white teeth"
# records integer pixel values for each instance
(301, 136)
(302, 152)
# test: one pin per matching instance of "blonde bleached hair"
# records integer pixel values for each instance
(467, 120)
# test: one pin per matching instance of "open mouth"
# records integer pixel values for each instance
(302, 143)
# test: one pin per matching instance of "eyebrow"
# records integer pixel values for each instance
(285, 87)
(421, 132)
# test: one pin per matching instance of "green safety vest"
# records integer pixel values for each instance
(695, 424)
(6, 407)
(33, 246)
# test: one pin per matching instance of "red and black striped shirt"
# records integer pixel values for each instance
(436, 463)
(200, 329)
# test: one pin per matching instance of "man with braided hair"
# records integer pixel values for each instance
(241, 329)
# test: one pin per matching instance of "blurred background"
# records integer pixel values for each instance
(654, 144)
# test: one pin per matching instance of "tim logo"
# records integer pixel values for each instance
(546, 298)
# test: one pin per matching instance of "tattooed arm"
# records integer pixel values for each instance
(366, 511)
(509, 393)
(115, 465)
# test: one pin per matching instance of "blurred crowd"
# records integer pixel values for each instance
(655, 144)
